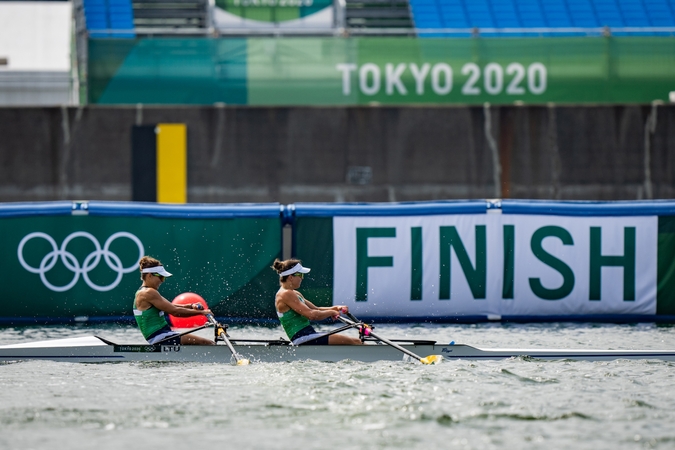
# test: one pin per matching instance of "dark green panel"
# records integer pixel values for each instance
(313, 244)
(665, 291)
(224, 260)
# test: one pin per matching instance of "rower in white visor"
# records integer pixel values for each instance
(295, 312)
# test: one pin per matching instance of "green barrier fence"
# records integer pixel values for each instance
(56, 268)
(437, 261)
(358, 71)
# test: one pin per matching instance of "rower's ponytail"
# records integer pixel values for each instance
(148, 261)
(281, 266)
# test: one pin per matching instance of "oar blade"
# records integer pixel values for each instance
(243, 362)
(432, 359)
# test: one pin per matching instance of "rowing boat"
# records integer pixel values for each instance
(94, 349)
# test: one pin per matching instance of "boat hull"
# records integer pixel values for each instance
(94, 350)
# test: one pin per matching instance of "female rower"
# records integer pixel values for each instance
(295, 311)
(150, 308)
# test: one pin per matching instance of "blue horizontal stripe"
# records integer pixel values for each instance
(189, 211)
(269, 210)
(558, 208)
(35, 209)
(387, 209)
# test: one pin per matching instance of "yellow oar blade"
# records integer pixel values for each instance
(432, 359)
(243, 362)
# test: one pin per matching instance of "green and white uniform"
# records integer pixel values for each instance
(298, 328)
(292, 321)
(152, 322)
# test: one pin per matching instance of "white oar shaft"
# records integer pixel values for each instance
(222, 334)
(386, 341)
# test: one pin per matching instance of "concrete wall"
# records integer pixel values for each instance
(250, 154)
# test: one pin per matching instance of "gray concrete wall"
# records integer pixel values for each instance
(299, 154)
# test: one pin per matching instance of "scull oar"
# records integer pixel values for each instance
(206, 325)
(220, 331)
(321, 335)
(431, 359)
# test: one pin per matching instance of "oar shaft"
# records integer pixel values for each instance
(221, 333)
(229, 344)
(206, 325)
(386, 341)
(396, 346)
(330, 333)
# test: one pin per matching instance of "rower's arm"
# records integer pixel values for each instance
(336, 308)
(187, 306)
(304, 309)
(155, 299)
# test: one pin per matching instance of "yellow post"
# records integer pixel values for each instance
(171, 163)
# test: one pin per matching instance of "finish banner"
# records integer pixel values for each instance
(495, 265)
(395, 71)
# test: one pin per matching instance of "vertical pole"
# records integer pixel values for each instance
(554, 151)
(650, 128)
(496, 165)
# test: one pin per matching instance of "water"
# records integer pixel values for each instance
(516, 403)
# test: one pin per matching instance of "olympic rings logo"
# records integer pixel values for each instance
(70, 261)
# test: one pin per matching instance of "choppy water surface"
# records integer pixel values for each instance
(517, 403)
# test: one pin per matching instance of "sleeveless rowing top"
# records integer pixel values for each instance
(292, 321)
(149, 321)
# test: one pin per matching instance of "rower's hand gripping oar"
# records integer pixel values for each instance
(431, 359)
(220, 331)
(206, 325)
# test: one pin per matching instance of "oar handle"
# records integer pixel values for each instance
(351, 317)
(206, 325)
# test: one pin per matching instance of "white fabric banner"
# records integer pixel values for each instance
(495, 265)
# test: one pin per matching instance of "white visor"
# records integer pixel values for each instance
(160, 270)
(295, 269)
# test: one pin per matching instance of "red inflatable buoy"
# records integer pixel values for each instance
(187, 298)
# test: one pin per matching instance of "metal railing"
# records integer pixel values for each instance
(543, 31)
(340, 30)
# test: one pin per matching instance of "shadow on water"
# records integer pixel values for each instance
(538, 380)
(450, 420)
